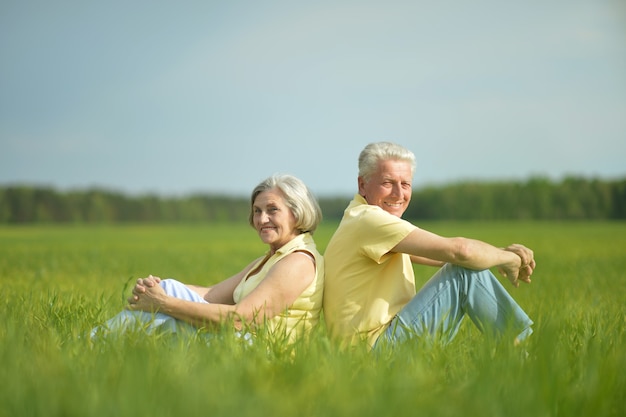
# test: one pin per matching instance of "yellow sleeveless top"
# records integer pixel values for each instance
(304, 313)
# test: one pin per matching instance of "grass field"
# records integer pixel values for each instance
(58, 282)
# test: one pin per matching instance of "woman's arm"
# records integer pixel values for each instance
(222, 292)
(278, 290)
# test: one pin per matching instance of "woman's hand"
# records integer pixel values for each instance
(141, 286)
(148, 295)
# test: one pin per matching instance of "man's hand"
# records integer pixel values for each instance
(526, 267)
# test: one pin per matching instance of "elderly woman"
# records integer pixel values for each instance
(281, 290)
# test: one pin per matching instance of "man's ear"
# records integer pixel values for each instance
(361, 182)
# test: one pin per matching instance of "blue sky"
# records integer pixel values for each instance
(213, 96)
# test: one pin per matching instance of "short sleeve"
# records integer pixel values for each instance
(380, 231)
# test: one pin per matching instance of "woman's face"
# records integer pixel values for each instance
(273, 219)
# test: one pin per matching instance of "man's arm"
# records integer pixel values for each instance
(420, 260)
(516, 262)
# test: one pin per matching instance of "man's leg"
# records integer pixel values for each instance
(439, 307)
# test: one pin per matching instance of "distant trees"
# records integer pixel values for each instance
(23, 204)
(537, 198)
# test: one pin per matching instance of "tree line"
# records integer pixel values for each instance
(537, 198)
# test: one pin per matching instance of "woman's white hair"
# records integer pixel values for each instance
(298, 198)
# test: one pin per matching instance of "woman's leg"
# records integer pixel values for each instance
(127, 319)
(439, 307)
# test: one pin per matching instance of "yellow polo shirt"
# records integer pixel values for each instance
(365, 285)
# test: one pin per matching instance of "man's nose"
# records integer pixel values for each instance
(396, 189)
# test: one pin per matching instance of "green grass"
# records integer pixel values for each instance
(58, 282)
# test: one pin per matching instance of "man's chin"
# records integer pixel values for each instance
(398, 212)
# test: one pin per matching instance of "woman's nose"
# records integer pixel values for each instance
(263, 217)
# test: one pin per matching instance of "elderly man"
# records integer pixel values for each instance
(370, 290)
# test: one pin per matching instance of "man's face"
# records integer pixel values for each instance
(389, 187)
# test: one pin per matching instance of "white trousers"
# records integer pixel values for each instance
(127, 320)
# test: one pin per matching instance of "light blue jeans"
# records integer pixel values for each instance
(150, 322)
(438, 309)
